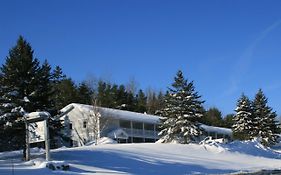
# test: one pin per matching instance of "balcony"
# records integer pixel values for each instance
(141, 133)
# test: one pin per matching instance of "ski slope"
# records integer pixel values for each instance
(150, 158)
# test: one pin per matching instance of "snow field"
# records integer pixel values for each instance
(157, 159)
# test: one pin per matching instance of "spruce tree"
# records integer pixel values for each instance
(141, 102)
(26, 88)
(182, 111)
(266, 127)
(243, 127)
(57, 92)
(84, 94)
(213, 117)
(68, 93)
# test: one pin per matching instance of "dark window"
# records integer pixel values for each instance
(125, 124)
(149, 140)
(84, 124)
(70, 126)
(149, 127)
(137, 140)
(137, 125)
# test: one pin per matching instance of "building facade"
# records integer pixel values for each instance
(86, 123)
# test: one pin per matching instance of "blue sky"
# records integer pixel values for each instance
(226, 47)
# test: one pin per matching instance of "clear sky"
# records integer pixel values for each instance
(227, 47)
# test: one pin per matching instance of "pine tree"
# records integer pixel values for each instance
(68, 93)
(141, 102)
(213, 117)
(266, 127)
(243, 127)
(57, 92)
(183, 109)
(84, 94)
(19, 79)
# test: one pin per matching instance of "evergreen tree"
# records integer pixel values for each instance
(141, 102)
(183, 109)
(243, 127)
(68, 93)
(84, 94)
(228, 121)
(266, 127)
(213, 117)
(42, 97)
(26, 88)
(56, 82)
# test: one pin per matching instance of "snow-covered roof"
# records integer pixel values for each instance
(114, 113)
(37, 116)
(219, 130)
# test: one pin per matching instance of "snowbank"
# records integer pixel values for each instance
(253, 147)
(155, 159)
(102, 141)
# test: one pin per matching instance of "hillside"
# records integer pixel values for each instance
(150, 158)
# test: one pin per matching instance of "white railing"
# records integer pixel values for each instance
(141, 133)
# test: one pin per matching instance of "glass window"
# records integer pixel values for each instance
(137, 125)
(149, 127)
(84, 124)
(70, 126)
(138, 140)
(125, 124)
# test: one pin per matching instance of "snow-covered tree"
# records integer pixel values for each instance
(25, 88)
(265, 123)
(182, 110)
(243, 127)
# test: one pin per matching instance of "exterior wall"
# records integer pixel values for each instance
(80, 135)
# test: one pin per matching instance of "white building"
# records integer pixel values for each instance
(216, 132)
(83, 125)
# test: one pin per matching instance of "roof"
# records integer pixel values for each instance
(113, 113)
(218, 130)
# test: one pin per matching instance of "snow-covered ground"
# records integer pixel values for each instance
(149, 158)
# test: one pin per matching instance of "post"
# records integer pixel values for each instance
(27, 146)
(154, 130)
(131, 123)
(143, 132)
(47, 141)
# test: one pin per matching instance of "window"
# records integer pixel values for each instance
(70, 126)
(84, 124)
(125, 124)
(138, 140)
(149, 140)
(137, 125)
(149, 127)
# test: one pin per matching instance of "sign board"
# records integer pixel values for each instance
(36, 132)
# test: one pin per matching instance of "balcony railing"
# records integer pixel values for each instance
(141, 133)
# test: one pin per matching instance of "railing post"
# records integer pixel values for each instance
(143, 134)
(154, 132)
(131, 123)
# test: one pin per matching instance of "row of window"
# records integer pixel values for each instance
(136, 140)
(127, 124)
(136, 125)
